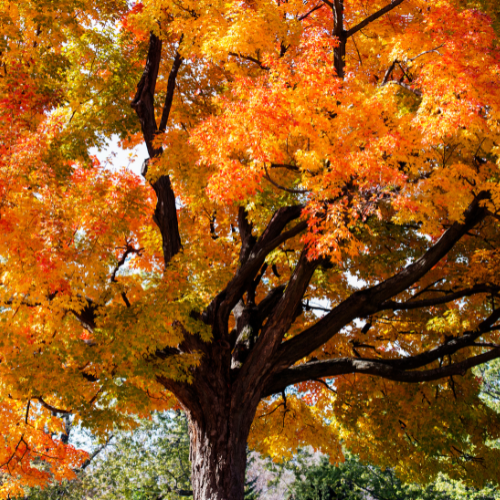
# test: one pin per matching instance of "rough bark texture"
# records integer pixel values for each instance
(218, 451)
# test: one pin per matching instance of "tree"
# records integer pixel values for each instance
(306, 157)
(149, 463)
(356, 481)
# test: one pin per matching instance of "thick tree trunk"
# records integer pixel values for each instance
(218, 454)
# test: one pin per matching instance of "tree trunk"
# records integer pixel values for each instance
(218, 454)
(339, 56)
(340, 34)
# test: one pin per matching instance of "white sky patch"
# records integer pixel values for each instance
(114, 157)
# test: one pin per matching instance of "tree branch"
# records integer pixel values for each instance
(87, 315)
(95, 453)
(251, 59)
(284, 314)
(143, 102)
(389, 71)
(165, 215)
(396, 369)
(247, 239)
(368, 301)
(418, 93)
(451, 347)
(344, 366)
(417, 304)
(171, 89)
(283, 188)
(373, 17)
(51, 408)
(129, 249)
(270, 239)
(307, 14)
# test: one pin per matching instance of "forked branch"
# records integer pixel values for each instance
(165, 214)
(273, 236)
(402, 369)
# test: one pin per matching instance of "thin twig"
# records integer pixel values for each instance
(288, 190)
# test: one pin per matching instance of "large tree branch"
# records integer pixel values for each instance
(345, 366)
(143, 102)
(87, 315)
(172, 78)
(165, 217)
(373, 17)
(395, 369)
(273, 236)
(339, 52)
(449, 297)
(368, 301)
(451, 347)
(260, 362)
(165, 214)
(247, 239)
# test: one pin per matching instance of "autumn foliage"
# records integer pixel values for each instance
(320, 213)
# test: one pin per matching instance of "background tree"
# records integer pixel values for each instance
(353, 480)
(324, 156)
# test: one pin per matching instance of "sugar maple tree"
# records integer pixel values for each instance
(307, 159)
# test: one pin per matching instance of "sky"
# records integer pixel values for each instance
(115, 157)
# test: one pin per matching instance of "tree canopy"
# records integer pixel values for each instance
(312, 259)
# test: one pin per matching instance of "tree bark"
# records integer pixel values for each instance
(339, 32)
(218, 459)
(218, 449)
(165, 215)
